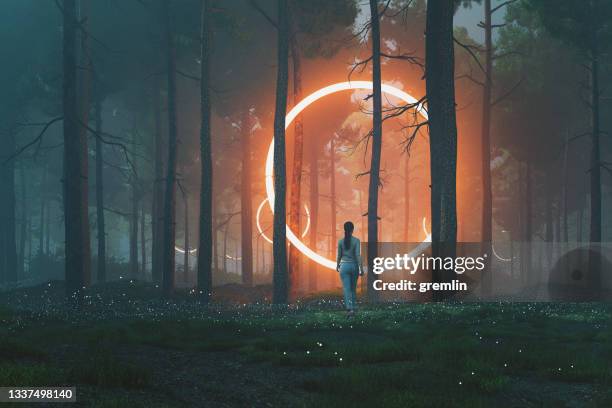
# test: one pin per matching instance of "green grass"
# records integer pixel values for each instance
(444, 355)
(29, 374)
(103, 369)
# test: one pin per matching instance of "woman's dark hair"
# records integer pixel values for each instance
(348, 232)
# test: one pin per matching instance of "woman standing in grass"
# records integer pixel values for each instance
(348, 263)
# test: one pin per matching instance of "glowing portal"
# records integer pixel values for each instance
(182, 250)
(297, 109)
(192, 252)
(260, 229)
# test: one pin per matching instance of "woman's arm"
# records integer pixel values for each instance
(358, 256)
(339, 255)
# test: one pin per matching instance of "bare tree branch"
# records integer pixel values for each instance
(36, 140)
(468, 48)
(362, 64)
(505, 3)
(261, 11)
(186, 75)
(508, 92)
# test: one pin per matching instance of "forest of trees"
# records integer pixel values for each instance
(136, 150)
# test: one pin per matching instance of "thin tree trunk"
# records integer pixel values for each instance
(565, 189)
(531, 275)
(406, 198)
(186, 226)
(580, 219)
(376, 149)
(24, 218)
(332, 201)
(134, 229)
(29, 239)
(47, 227)
(207, 228)
(280, 276)
(256, 262)
(246, 205)
(8, 239)
(101, 268)
(314, 214)
(75, 173)
(487, 198)
(215, 242)
(143, 244)
(548, 219)
(158, 194)
(440, 86)
(225, 233)
(41, 218)
(595, 165)
(521, 219)
(85, 105)
(296, 174)
(169, 226)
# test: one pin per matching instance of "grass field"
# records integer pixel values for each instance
(129, 348)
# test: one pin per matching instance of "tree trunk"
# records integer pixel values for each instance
(75, 172)
(41, 218)
(280, 276)
(48, 226)
(595, 165)
(579, 219)
(23, 224)
(376, 149)
(134, 228)
(207, 228)
(101, 268)
(225, 233)
(440, 88)
(8, 239)
(169, 221)
(29, 239)
(487, 198)
(296, 174)
(531, 276)
(158, 194)
(565, 189)
(521, 219)
(332, 201)
(186, 240)
(406, 198)
(143, 245)
(246, 205)
(314, 214)
(215, 240)
(548, 219)
(85, 105)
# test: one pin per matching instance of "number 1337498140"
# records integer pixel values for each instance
(30, 394)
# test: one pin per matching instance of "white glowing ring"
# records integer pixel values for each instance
(260, 229)
(182, 250)
(427, 235)
(492, 246)
(497, 256)
(193, 251)
(297, 109)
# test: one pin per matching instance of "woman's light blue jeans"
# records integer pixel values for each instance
(349, 272)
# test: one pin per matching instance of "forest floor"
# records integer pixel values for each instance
(129, 348)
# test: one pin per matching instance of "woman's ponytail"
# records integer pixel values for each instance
(348, 233)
